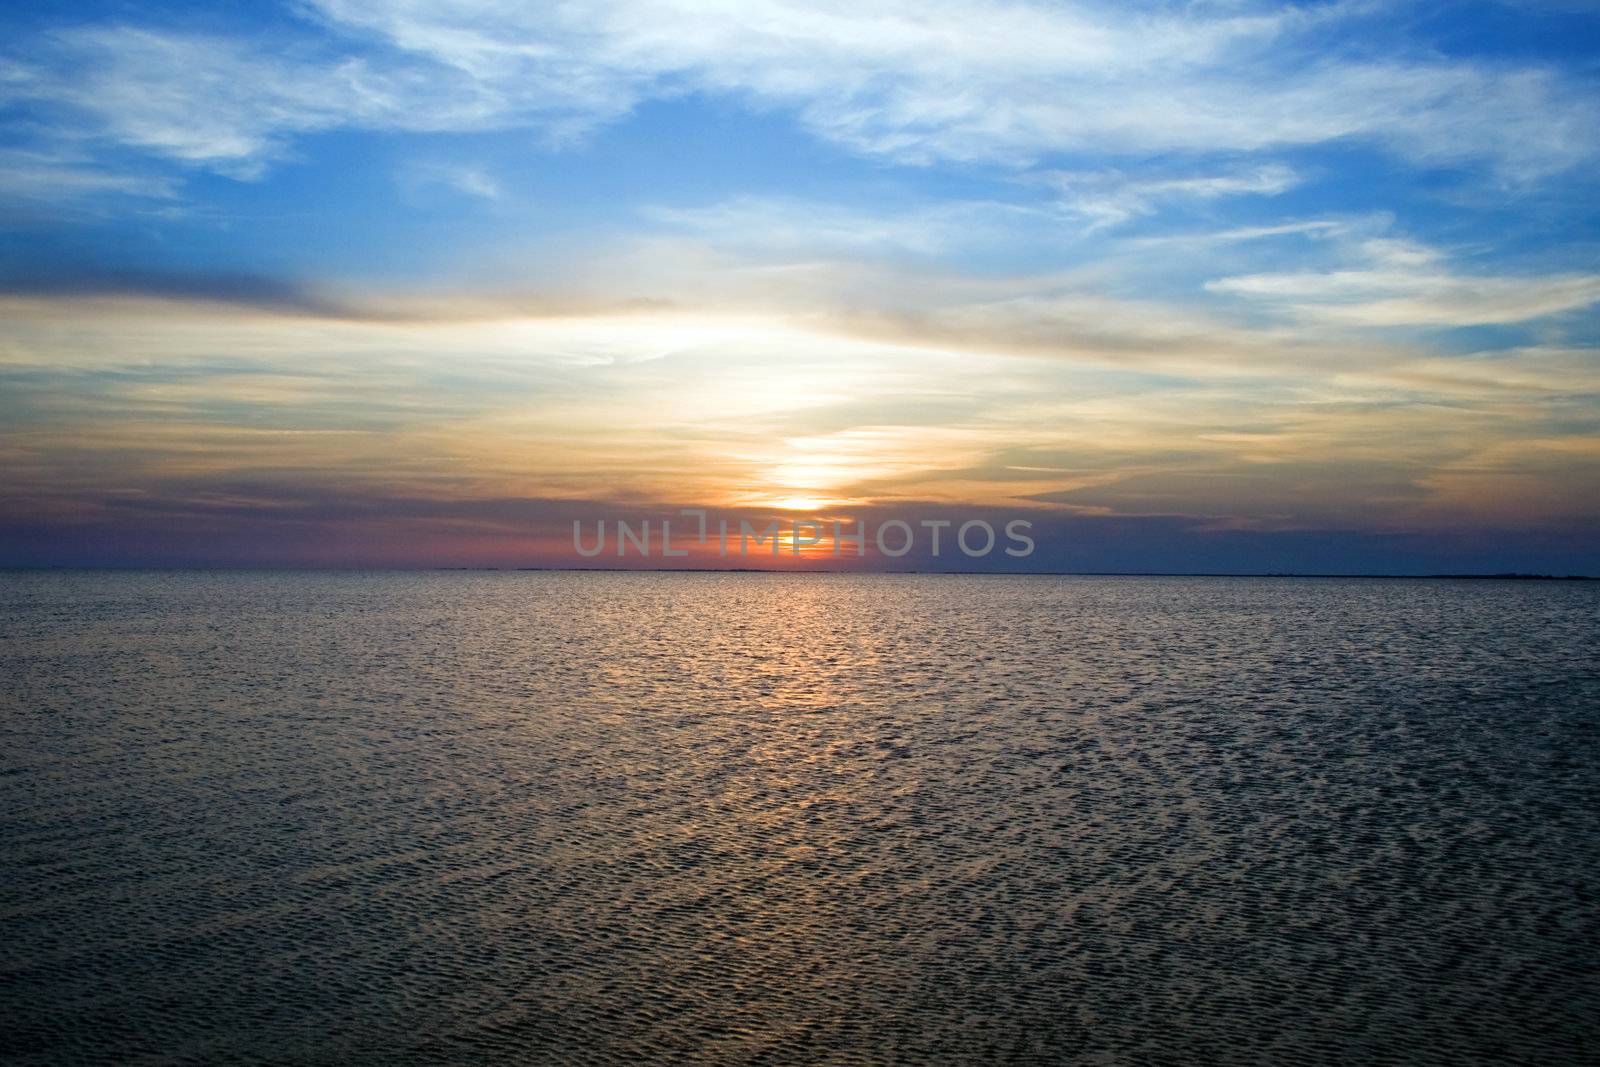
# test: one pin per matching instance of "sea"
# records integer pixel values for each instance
(710, 818)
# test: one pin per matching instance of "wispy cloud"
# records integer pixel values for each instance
(461, 178)
(981, 79)
(62, 178)
(235, 105)
(976, 80)
(1401, 284)
(1109, 198)
(790, 226)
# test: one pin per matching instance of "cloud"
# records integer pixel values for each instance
(238, 290)
(235, 105)
(463, 179)
(1403, 284)
(65, 177)
(781, 265)
(678, 291)
(983, 80)
(957, 80)
(209, 100)
(779, 227)
(775, 226)
(1109, 198)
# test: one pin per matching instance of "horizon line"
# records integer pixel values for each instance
(391, 568)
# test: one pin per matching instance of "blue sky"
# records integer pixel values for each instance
(1307, 275)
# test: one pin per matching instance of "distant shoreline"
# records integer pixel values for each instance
(1507, 577)
(1498, 577)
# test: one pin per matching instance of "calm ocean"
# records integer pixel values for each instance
(395, 818)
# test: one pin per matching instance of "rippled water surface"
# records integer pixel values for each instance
(718, 818)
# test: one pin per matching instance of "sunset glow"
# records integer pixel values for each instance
(1239, 309)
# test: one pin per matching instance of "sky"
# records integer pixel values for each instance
(1190, 287)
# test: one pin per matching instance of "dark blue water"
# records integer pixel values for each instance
(746, 819)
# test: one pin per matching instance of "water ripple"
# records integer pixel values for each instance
(745, 819)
